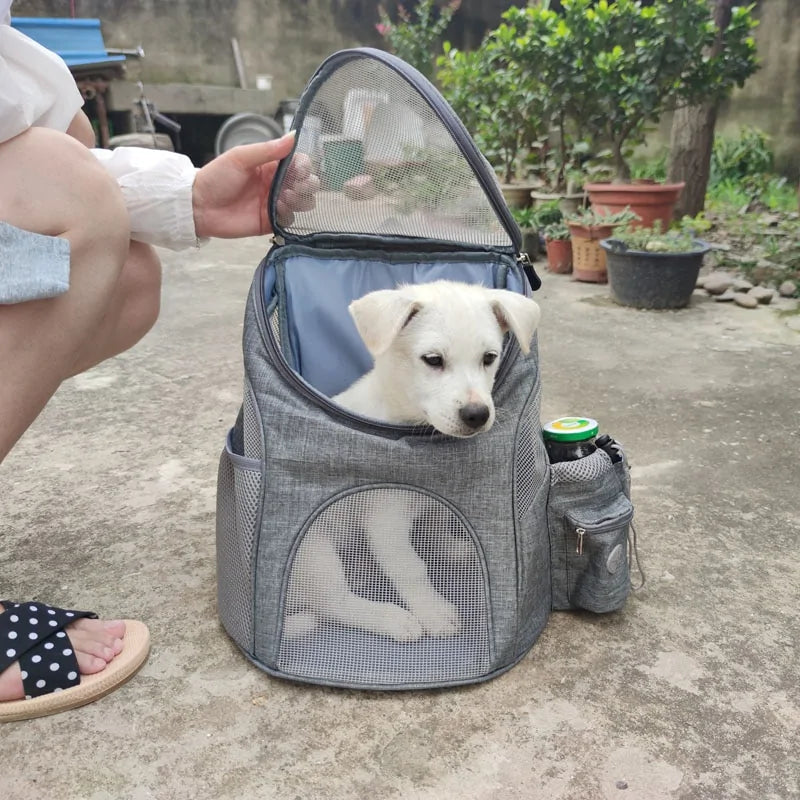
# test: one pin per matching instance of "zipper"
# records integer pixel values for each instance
(581, 530)
(302, 387)
(451, 122)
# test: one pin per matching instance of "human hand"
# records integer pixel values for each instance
(230, 193)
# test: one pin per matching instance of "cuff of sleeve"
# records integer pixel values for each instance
(159, 203)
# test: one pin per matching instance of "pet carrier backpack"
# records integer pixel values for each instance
(405, 197)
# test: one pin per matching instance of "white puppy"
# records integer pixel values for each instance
(436, 348)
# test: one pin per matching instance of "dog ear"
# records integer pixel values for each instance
(380, 316)
(516, 313)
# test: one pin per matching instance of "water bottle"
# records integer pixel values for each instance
(570, 438)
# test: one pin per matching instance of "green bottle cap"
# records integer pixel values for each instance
(570, 429)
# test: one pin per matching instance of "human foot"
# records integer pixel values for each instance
(94, 641)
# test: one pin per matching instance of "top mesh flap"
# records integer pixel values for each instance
(392, 158)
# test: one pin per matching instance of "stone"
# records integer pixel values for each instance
(718, 282)
(742, 285)
(701, 280)
(745, 300)
(622, 784)
(362, 187)
(787, 289)
(725, 297)
(793, 323)
(762, 294)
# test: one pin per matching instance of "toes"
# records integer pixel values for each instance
(89, 664)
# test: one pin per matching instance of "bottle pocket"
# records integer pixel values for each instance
(589, 519)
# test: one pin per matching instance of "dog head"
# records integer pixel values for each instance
(437, 349)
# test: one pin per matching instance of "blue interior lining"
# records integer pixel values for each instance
(316, 287)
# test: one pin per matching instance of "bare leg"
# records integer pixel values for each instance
(132, 310)
(53, 185)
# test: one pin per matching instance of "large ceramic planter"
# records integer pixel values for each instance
(650, 201)
(588, 258)
(516, 195)
(559, 255)
(652, 280)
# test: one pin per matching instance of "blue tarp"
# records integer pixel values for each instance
(78, 41)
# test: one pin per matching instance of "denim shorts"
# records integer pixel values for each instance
(32, 266)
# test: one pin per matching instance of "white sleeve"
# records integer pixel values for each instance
(36, 86)
(157, 187)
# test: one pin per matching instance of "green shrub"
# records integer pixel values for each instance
(417, 40)
(738, 157)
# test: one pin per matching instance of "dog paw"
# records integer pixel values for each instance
(439, 619)
(400, 624)
(299, 624)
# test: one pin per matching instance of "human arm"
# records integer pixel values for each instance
(173, 205)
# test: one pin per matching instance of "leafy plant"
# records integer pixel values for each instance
(653, 169)
(548, 213)
(556, 231)
(494, 100)
(638, 61)
(590, 218)
(525, 217)
(415, 40)
(742, 156)
(653, 240)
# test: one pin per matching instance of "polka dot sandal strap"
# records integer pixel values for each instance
(33, 634)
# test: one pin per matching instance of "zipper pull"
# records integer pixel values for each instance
(524, 260)
(579, 548)
(278, 240)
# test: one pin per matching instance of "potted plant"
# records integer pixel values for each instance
(494, 98)
(559, 248)
(637, 62)
(587, 228)
(526, 219)
(651, 269)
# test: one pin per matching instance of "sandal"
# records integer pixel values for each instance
(34, 635)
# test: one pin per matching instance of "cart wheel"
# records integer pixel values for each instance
(246, 128)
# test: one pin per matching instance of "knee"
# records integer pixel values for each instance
(54, 185)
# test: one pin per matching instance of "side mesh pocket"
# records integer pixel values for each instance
(238, 506)
(589, 515)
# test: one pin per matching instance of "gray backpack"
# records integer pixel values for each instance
(502, 536)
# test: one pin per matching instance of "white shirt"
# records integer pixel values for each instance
(37, 89)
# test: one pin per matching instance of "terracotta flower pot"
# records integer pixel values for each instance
(588, 258)
(651, 201)
(559, 255)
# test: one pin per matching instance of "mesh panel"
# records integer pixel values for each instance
(251, 423)
(386, 588)
(387, 164)
(531, 458)
(275, 324)
(583, 469)
(238, 497)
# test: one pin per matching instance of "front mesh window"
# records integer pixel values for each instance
(387, 164)
(408, 605)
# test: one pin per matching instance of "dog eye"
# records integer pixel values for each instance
(433, 360)
(489, 358)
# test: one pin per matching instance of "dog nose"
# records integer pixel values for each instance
(474, 414)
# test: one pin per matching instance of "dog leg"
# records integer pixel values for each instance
(389, 529)
(319, 584)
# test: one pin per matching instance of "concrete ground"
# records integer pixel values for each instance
(692, 691)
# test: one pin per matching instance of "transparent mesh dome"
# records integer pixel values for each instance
(387, 164)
